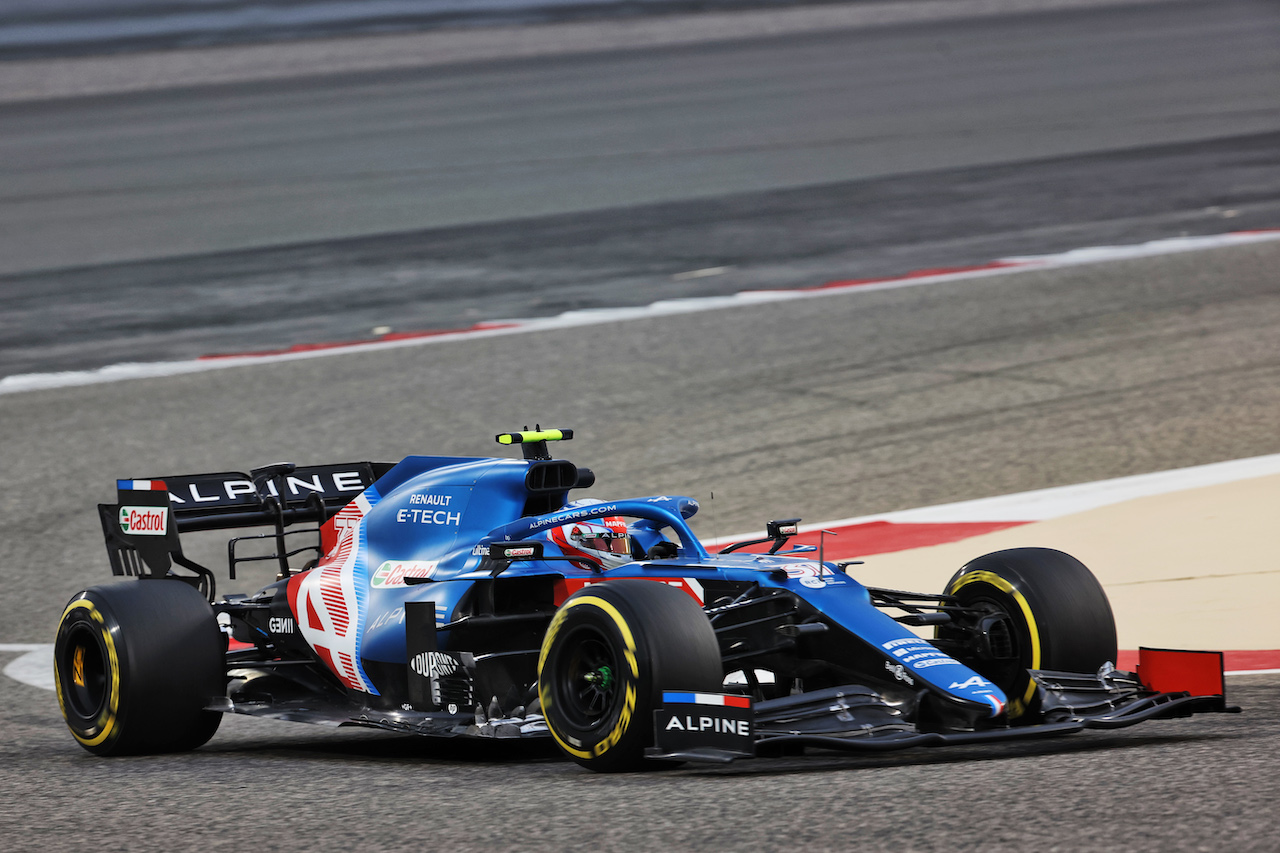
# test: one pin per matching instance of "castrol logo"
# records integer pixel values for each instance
(144, 520)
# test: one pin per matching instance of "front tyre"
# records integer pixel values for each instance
(1040, 609)
(610, 651)
(135, 664)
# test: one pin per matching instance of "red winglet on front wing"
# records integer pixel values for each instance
(1174, 671)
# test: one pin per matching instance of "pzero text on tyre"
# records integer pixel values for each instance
(135, 665)
(610, 651)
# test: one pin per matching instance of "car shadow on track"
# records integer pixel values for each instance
(395, 748)
(248, 736)
(818, 762)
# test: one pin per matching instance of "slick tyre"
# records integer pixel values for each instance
(1045, 610)
(610, 651)
(135, 664)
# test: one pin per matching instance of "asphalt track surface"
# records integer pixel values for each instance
(47, 28)
(824, 408)
(873, 401)
(182, 222)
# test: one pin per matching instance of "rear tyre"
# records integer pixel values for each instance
(1044, 610)
(608, 654)
(135, 664)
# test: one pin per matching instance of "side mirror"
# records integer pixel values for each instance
(784, 529)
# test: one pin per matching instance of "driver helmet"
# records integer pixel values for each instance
(604, 541)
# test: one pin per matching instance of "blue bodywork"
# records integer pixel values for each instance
(446, 599)
(439, 515)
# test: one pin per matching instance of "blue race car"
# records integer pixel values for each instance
(472, 597)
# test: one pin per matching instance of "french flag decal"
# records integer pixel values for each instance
(671, 697)
(141, 485)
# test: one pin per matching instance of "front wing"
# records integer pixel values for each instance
(854, 718)
(857, 719)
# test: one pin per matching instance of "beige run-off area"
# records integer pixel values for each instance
(1194, 569)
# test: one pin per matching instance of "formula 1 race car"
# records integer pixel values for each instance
(470, 597)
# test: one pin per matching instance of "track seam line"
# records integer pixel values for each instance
(1076, 257)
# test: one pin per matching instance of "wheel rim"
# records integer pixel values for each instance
(84, 669)
(587, 684)
(1005, 669)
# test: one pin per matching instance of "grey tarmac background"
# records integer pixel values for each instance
(825, 408)
(75, 27)
(259, 215)
(828, 407)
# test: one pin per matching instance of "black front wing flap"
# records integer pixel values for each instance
(857, 719)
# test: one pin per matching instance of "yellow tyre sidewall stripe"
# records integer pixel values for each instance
(629, 705)
(106, 723)
(1019, 703)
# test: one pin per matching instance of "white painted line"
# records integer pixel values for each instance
(34, 668)
(1253, 672)
(702, 273)
(1044, 504)
(1099, 254)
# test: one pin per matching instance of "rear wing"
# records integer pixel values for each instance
(141, 529)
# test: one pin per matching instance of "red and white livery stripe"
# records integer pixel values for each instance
(325, 602)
